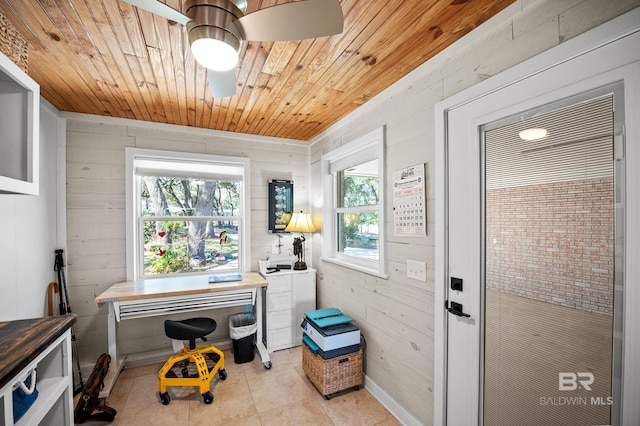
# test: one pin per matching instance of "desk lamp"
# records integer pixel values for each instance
(300, 222)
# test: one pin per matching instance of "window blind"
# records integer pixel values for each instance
(579, 146)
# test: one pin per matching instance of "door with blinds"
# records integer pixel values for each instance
(535, 283)
(535, 263)
(538, 232)
(549, 264)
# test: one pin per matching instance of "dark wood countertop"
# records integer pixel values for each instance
(21, 341)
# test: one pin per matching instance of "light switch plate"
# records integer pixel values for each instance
(417, 270)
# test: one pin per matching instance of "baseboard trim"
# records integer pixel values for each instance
(398, 411)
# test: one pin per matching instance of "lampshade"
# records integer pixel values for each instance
(300, 222)
(532, 134)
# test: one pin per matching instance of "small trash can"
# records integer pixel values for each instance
(242, 330)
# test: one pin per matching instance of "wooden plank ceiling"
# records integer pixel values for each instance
(109, 58)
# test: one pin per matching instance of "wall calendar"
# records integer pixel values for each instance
(409, 203)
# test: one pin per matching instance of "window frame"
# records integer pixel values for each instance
(365, 148)
(134, 234)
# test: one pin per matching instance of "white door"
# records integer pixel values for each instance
(502, 363)
(464, 269)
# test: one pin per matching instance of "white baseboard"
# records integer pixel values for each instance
(398, 411)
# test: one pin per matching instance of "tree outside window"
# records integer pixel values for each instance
(189, 224)
(358, 210)
(186, 213)
(353, 221)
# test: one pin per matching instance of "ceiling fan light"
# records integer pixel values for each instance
(532, 134)
(214, 54)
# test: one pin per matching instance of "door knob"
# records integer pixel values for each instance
(456, 309)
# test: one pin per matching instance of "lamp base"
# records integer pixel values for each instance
(300, 266)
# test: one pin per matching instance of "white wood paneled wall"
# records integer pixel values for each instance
(96, 213)
(396, 315)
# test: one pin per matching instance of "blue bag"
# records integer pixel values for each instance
(24, 395)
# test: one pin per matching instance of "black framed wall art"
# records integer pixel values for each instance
(280, 204)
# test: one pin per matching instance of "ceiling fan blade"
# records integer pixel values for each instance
(222, 83)
(293, 21)
(159, 8)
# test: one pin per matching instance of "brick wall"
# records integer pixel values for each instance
(554, 243)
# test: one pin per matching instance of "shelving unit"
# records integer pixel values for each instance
(32, 344)
(20, 124)
(288, 296)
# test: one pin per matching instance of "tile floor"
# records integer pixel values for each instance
(251, 395)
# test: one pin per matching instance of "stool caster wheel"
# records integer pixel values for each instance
(222, 374)
(267, 365)
(327, 397)
(207, 397)
(165, 398)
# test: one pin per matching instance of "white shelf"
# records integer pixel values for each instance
(50, 391)
(54, 403)
(20, 124)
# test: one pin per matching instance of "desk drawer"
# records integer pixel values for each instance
(279, 337)
(278, 283)
(148, 307)
(278, 319)
(278, 302)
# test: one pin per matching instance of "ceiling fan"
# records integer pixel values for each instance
(217, 29)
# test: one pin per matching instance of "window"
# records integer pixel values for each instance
(186, 214)
(353, 231)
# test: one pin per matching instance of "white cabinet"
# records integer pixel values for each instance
(52, 362)
(289, 295)
(20, 124)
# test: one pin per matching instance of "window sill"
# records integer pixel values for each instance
(359, 268)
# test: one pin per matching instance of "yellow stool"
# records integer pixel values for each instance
(208, 360)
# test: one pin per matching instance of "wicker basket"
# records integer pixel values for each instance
(333, 375)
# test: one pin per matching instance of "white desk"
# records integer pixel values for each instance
(164, 296)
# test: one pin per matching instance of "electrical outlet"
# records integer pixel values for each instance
(417, 270)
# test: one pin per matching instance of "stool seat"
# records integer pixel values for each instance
(189, 329)
(191, 366)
